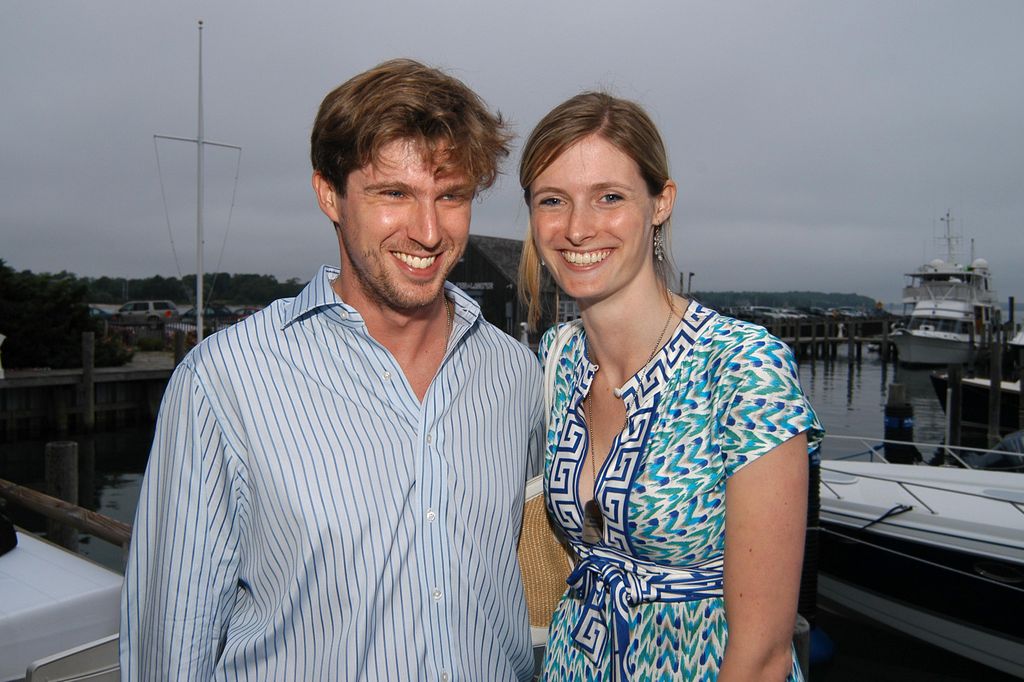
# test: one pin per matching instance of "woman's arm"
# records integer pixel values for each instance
(765, 521)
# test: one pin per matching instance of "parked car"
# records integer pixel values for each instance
(150, 313)
(214, 315)
(246, 310)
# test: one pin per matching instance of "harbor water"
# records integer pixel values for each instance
(848, 397)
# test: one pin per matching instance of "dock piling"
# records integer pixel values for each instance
(953, 401)
(88, 386)
(995, 387)
(61, 472)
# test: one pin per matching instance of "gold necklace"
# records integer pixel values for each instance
(448, 316)
(593, 518)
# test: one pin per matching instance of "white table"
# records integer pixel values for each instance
(51, 600)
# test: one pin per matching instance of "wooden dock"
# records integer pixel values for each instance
(821, 337)
(37, 401)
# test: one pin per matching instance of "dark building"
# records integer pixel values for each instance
(489, 272)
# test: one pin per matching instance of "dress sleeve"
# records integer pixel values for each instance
(544, 347)
(182, 569)
(760, 402)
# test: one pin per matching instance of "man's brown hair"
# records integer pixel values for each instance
(402, 99)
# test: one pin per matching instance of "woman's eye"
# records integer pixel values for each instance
(548, 201)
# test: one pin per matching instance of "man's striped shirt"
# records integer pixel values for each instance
(305, 517)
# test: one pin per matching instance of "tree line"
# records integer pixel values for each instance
(219, 287)
(799, 300)
(43, 317)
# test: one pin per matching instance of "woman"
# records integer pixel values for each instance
(664, 415)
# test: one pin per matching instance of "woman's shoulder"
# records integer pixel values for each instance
(559, 337)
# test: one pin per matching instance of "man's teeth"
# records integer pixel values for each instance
(585, 257)
(415, 261)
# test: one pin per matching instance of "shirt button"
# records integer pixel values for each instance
(436, 594)
(444, 676)
(344, 314)
(430, 438)
(386, 375)
(431, 515)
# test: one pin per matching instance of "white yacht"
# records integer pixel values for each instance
(936, 552)
(951, 307)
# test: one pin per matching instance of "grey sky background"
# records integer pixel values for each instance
(816, 144)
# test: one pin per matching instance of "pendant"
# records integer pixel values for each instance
(593, 523)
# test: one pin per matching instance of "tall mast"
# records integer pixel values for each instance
(199, 197)
(200, 142)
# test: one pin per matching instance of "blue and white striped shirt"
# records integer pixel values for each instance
(305, 517)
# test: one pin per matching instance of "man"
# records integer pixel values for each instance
(335, 486)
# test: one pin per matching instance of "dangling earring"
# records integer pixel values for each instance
(659, 243)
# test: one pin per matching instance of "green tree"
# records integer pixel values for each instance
(43, 317)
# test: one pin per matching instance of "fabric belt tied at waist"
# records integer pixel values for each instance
(606, 579)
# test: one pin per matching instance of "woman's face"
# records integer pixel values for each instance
(592, 219)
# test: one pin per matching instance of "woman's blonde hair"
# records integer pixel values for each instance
(623, 123)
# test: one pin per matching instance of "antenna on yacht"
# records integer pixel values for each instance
(951, 240)
(200, 142)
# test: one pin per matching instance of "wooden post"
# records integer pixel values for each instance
(88, 382)
(858, 332)
(1020, 399)
(179, 345)
(797, 346)
(884, 349)
(61, 471)
(849, 342)
(955, 374)
(814, 338)
(995, 388)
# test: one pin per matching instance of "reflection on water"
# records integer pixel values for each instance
(850, 398)
(110, 486)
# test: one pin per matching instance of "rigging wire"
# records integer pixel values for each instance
(170, 232)
(167, 214)
(227, 228)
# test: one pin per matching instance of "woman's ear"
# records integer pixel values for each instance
(664, 202)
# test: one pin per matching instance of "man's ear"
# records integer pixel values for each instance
(326, 197)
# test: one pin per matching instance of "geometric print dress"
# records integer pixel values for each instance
(646, 602)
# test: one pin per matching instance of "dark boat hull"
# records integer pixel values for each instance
(959, 602)
(974, 404)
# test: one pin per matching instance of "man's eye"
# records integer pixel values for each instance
(549, 201)
(611, 198)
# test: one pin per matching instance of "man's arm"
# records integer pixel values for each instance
(182, 567)
(538, 430)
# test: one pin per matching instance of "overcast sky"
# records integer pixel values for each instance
(816, 144)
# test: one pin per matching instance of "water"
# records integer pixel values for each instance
(849, 400)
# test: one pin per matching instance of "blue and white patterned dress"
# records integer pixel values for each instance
(646, 603)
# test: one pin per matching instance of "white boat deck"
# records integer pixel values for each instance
(51, 600)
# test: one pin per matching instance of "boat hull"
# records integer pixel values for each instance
(932, 551)
(917, 349)
(974, 402)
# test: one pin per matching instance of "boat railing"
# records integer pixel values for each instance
(1013, 497)
(873, 449)
(942, 291)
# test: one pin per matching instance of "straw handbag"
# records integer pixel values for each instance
(544, 560)
(544, 557)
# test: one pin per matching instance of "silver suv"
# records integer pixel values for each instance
(151, 313)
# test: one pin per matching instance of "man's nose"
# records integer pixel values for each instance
(426, 228)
